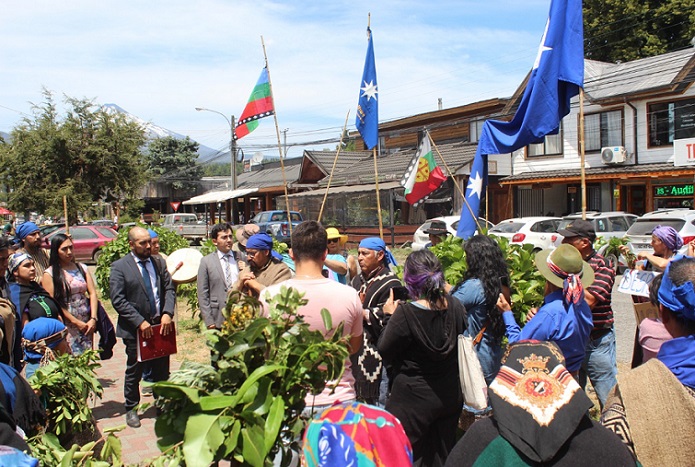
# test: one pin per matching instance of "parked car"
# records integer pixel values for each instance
(187, 226)
(541, 232)
(275, 223)
(87, 240)
(103, 223)
(682, 220)
(421, 239)
(607, 225)
(48, 228)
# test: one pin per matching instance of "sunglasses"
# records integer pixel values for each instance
(333, 240)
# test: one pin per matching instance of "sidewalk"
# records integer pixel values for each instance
(139, 444)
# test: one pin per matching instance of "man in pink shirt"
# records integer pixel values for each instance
(309, 250)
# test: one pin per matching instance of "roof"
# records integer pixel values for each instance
(324, 159)
(347, 189)
(669, 72)
(595, 173)
(219, 196)
(271, 175)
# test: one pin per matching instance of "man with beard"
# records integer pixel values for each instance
(143, 295)
(29, 235)
(265, 266)
(374, 284)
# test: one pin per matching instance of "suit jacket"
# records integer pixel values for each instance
(212, 290)
(129, 296)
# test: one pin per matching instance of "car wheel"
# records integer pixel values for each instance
(96, 255)
(612, 261)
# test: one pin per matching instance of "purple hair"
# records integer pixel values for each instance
(423, 276)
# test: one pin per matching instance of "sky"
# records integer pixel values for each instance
(159, 60)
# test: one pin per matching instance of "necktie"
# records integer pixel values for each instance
(227, 271)
(148, 287)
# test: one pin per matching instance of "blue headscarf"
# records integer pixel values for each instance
(262, 241)
(25, 229)
(41, 328)
(680, 300)
(153, 234)
(377, 244)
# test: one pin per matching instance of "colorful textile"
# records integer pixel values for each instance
(668, 236)
(260, 105)
(37, 330)
(556, 77)
(367, 120)
(356, 434)
(602, 290)
(16, 260)
(423, 175)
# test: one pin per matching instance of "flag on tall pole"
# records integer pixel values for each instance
(556, 77)
(367, 120)
(423, 175)
(260, 105)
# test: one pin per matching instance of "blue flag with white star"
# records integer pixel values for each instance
(367, 120)
(556, 77)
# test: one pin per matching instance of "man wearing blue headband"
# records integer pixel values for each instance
(265, 266)
(29, 235)
(652, 407)
(374, 284)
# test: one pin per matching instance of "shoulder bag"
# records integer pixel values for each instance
(470, 372)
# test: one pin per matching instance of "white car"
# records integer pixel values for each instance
(541, 232)
(640, 233)
(421, 239)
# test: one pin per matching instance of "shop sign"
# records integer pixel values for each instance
(673, 190)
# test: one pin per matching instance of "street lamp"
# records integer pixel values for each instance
(232, 151)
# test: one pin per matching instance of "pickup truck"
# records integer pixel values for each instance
(187, 226)
(275, 224)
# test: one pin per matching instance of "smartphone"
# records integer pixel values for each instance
(400, 293)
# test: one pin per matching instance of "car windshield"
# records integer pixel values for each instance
(507, 227)
(646, 226)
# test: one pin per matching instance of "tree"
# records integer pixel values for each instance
(348, 143)
(87, 156)
(175, 162)
(623, 30)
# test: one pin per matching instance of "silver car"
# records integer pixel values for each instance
(682, 220)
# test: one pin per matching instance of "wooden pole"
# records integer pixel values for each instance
(581, 150)
(277, 131)
(65, 213)
(451, 174)
(378, 200)
(335, 161)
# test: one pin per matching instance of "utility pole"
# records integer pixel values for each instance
(284, 139)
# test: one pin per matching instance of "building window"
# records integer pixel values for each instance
(552, 146)
(671, 120)
(474, 130)
(603, 129)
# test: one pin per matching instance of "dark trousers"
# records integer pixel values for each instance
(159, 370)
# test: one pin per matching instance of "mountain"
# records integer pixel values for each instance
(153, 131)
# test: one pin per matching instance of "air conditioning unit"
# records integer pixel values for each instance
(613, 155)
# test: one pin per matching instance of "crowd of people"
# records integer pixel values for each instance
(401, 388)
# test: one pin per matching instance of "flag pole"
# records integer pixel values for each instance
(335, 161)
(581, 150)
(451, 174)
(277, 131)
(378, 200)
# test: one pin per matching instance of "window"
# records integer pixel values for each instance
(603, 129)
(671, 120)
(619, 224)
(475, 127)
(82, 234)
(552, 146)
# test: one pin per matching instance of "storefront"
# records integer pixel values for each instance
(673, 195)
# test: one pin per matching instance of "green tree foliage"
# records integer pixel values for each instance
(623, 30)
(175, 162)
(87, 155)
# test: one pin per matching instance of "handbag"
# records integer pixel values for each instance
(473, 383)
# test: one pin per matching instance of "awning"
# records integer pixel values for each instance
(219, 196)
(348, 189)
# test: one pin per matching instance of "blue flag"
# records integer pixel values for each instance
(367, 120)
(556, 77)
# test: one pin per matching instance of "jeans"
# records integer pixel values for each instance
(600, 365)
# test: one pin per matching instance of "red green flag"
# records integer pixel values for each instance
(423, 175)
(260, 105)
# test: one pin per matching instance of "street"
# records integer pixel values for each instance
(624, 314)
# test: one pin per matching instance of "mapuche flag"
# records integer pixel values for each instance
(555, 78)
(260, 105)
(367, 119)
(423, 175)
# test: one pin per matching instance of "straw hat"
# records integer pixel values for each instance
(568, 259)
(332, 232)
(245, 231)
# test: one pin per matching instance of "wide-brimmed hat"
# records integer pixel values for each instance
(566, 258)
(579, 228)
(437, 228)
(332, 232)
(244, 232)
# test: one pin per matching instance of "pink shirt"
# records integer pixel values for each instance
(652, 333)
(345, 306)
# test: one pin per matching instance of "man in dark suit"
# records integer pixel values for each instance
(217, 273)
(143, 295)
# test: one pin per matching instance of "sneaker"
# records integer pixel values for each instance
(146, 390)
(132, 419)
